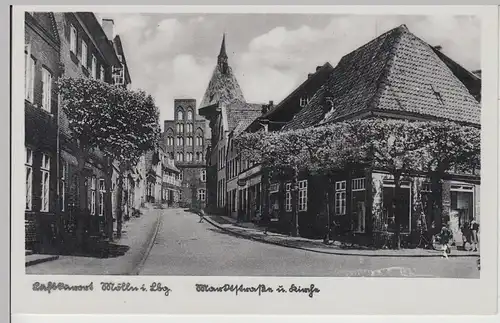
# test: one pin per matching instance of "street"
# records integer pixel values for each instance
(184, 246)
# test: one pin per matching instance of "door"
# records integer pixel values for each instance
(390, 198)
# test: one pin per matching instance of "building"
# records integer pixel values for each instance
(397, 76)
(247, 195)
(41, 54)
(184, 141)
(85, 52)
(224, 106)
(163, 183)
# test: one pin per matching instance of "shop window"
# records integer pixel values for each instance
(462, 203)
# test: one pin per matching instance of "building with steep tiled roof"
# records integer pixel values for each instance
(396, 75)
(224, 106)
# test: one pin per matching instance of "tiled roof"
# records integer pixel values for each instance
(396, 72)
(242, 113)
(222, 88)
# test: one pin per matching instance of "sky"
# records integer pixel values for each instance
(173, 55)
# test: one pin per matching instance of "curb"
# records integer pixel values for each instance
(150, 245)
(437, 255)
(40, 260)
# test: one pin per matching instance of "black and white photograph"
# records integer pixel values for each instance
(210, 144)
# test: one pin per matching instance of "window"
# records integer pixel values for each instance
(288, 197)
(101, 75)
(462, 202)
(303, 101)
(303, 195)
(85, 59)
(181, 126)
(46, 89)
(190, 115)
(102, 190)
(190, 141)
(340, 198)
(178, 156)
(181, 158)
(180, 176)
(94, 67)
(45, 170)
(358, 184)
(118, 75)
(29, 178)
(201, 194)
(29, 65)
(93, 187)
(180, 115)
(72, 39)
(170, 141)
(62, 185)
(203, 175)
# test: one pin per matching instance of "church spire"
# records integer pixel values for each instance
(222, 58)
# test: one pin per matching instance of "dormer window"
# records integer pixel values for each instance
(329, 102)
(303, 101)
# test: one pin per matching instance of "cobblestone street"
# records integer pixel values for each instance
(186, 247)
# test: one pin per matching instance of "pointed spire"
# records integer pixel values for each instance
(222, 58)
(223, 46)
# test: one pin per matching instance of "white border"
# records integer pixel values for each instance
(338, 295)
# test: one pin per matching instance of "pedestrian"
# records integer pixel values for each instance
(445, 238)
(201, 213)
(474, 226)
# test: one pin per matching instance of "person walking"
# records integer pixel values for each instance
(201, 213)
(445, 239)
(474, 226)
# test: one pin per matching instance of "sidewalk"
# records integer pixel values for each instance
(253, 232)
(126, 255)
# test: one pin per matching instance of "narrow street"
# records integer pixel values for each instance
(184, 246)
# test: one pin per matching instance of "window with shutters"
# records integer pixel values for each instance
(46, 89)
(45, 185)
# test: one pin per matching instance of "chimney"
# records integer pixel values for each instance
(318, 68)
(438, 47)
(265, 108)
(108, 25)
(309, 75)
(271, 104)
